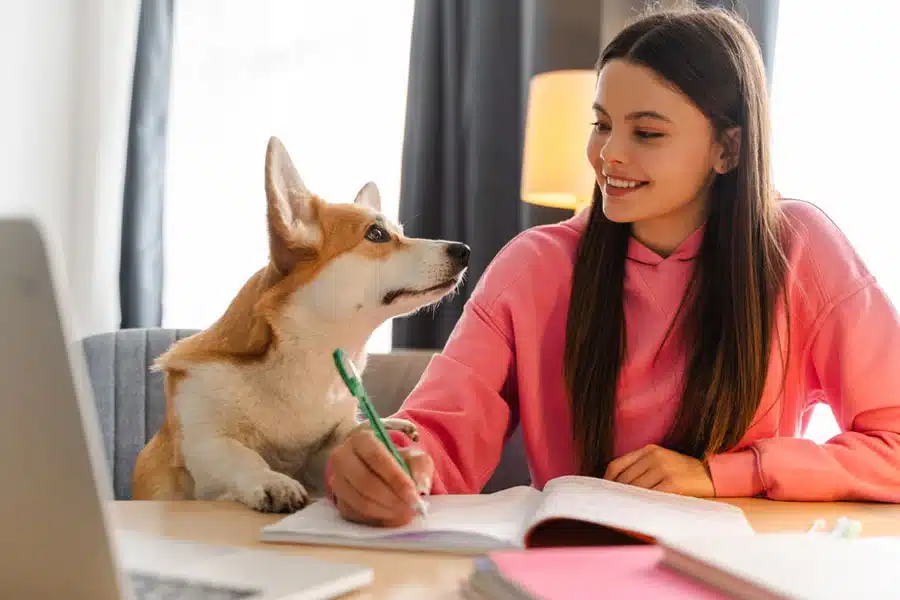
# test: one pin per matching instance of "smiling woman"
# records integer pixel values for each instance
(244, 71)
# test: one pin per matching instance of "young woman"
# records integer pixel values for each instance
(676, 334)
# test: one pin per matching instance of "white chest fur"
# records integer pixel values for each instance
(284, 408)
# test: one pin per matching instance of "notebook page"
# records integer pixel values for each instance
(637, 509)
(500, 515)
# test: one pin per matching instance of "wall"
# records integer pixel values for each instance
(64, 114)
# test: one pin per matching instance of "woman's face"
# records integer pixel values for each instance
(654, 154)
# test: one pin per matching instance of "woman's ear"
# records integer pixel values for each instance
(729, 151)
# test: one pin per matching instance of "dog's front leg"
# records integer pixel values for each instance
(225, 469)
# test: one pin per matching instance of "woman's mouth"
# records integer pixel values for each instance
(620, 187)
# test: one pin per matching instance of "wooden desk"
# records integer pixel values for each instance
(415, 575)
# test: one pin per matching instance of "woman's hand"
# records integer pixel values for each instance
(370, 487)
(656, 468)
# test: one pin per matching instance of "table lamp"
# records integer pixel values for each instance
(555, 168)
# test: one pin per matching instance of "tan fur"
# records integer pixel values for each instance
(254, 404)
(162, 456)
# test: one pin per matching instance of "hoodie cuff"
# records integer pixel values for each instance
(736, 474)
(400, 439)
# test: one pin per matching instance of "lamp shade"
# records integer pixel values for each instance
(555, 168)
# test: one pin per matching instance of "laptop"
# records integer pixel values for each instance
(55, 484)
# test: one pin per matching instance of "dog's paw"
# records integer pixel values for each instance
(402, 425)
(274, 493)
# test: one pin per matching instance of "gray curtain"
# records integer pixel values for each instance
(762, 17)
(470, 64)
(141, 270)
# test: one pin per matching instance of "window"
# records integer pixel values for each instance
(834, 92)
(328, 78)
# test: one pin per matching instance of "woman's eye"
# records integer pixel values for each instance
(377, 234)
(648, 134)
(641, 134)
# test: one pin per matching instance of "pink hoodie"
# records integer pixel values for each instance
(505, 358)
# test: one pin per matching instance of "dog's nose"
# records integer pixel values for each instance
(459, 253)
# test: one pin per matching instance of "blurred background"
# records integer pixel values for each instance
(136, 131)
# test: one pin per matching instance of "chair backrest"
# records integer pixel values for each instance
(131, 399)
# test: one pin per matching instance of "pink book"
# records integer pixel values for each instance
(633, 572)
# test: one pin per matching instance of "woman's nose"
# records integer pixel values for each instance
(612, 152)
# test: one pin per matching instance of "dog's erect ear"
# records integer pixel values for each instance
(292, 210)
(368, 195)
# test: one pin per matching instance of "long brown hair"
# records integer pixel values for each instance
(711, 57)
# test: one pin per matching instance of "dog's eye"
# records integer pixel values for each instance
(378, 234)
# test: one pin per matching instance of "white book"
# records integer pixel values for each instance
(795, 566)
(569, 511)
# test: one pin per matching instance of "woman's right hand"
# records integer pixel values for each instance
(370, 487)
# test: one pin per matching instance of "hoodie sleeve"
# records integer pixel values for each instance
(460, 406)
(853, 360)
(856, 359)
(462, 416)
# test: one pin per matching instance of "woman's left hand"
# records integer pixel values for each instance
(657, 468)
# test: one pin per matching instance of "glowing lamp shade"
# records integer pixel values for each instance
(555, 169)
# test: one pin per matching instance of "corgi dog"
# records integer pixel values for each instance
(254, 403)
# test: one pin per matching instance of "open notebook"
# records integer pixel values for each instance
(570, 511)
(796, 566)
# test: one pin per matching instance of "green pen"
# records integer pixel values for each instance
(354, 384)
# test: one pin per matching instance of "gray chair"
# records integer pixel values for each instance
(131, 401)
